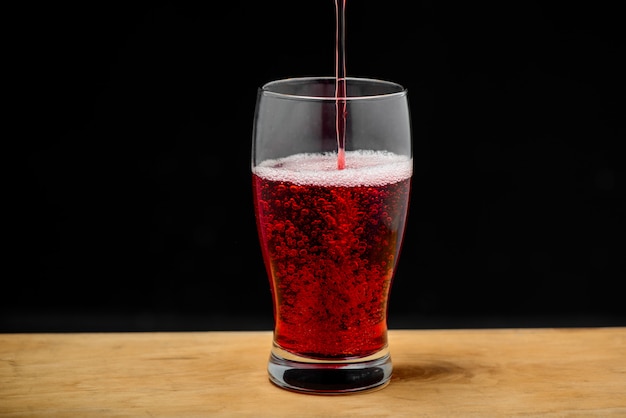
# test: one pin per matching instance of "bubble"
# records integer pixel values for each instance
(363, 168)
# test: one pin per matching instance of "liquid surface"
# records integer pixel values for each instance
(363, 168)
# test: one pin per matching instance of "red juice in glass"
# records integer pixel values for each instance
(331, 239)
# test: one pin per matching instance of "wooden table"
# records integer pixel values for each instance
(437, 373)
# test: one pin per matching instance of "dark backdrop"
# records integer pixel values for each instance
(131, 195)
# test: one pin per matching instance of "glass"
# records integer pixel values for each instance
(331, 237)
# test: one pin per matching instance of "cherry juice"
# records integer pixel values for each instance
(331, 239)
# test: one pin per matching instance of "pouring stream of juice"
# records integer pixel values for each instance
(340, 82)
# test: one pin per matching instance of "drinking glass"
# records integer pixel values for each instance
(331, 237)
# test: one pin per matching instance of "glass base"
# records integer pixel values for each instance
(329, 377)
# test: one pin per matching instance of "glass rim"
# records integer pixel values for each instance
(396, 89)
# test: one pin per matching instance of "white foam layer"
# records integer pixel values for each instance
(363, 168)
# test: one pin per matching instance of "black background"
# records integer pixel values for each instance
(131, 196)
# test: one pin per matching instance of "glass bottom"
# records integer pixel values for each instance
(324, 377)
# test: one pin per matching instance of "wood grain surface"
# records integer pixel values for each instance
(437, 373)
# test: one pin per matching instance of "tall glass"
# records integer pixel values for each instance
(331, 237)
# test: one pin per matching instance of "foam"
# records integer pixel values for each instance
(363, 168)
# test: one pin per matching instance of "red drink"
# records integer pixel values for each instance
(340, 82)
(331, 240)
